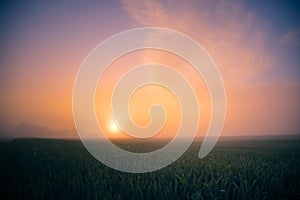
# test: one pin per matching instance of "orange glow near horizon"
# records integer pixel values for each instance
(148, 95)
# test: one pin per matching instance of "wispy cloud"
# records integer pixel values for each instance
(229, 33)
(146, 12)
(26, 129)
(292, 37)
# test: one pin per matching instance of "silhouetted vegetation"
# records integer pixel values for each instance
(60, 169)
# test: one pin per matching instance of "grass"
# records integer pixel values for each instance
(61, 169)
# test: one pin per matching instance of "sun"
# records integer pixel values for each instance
(113, 127)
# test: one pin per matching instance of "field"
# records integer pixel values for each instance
(235, 169)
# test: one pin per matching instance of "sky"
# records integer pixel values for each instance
(255, 45)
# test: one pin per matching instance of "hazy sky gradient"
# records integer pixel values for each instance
(255, 44)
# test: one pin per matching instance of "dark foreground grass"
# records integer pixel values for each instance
(58, 169)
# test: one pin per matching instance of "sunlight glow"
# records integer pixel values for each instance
(113, 127)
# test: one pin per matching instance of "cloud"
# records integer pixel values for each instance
(151, 12)
(231, 34)
(26, 129)
(292, 37)
(237, 40)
